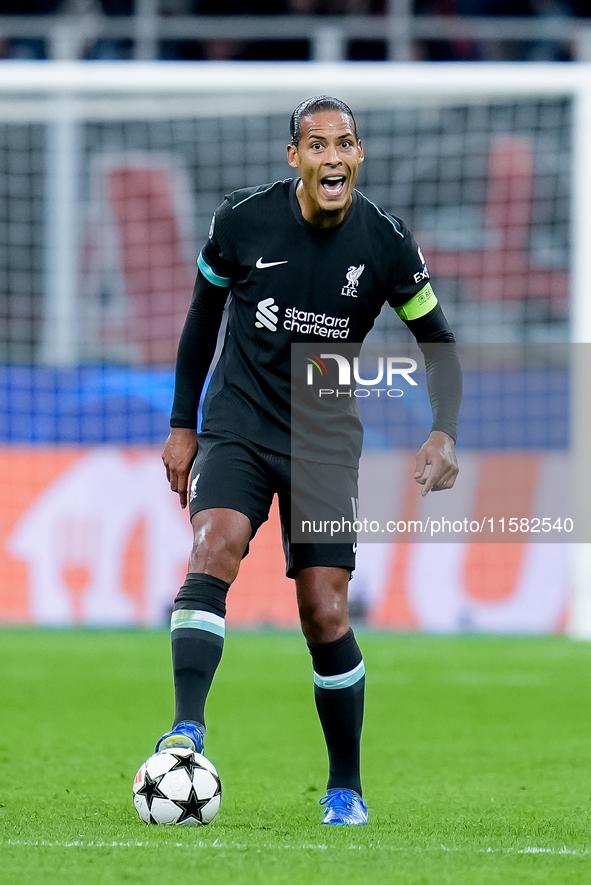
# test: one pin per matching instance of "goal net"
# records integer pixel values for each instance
(109, 175)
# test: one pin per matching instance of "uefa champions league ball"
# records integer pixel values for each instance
(177, 786)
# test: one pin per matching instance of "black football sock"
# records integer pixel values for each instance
(339, 690)
(197, 630)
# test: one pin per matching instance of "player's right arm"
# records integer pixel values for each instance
(196, 350)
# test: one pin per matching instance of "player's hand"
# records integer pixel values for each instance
(178, 456)
(437, 466)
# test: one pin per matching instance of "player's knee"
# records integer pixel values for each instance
(323, 620)
(217, 555)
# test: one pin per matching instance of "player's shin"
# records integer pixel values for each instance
(197, 630)
(339, 690)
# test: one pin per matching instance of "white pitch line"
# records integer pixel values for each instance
(217, 844)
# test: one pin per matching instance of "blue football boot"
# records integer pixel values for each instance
(344, 807)
(185, 734)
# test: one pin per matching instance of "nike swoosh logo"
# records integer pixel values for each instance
(262, 264)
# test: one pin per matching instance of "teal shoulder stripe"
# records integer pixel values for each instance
(257, 193)
(384, 215)
(422, 303)
(210, 274)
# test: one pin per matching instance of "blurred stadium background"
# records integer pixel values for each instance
(109, 174)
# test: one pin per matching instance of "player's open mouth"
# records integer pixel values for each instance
(333, 185)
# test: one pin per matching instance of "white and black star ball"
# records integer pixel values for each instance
(177, 786)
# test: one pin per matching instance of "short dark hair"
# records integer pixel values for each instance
(312, 106)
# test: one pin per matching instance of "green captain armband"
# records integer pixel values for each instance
(423, 302)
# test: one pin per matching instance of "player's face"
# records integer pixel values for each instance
(328, 157)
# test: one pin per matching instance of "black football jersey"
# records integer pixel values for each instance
(292, 282)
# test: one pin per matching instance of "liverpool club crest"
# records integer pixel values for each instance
(353, 274)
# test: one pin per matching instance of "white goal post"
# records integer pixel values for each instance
(62, 95)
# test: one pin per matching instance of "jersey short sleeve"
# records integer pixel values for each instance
(217, 260)
(411, 294)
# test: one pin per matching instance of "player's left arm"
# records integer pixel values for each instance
(415, 302)
(436, 463)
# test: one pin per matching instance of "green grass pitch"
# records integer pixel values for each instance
(476, 760)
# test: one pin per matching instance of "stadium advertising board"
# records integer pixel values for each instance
(94, 536)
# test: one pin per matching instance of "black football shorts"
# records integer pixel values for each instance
(235, 473)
